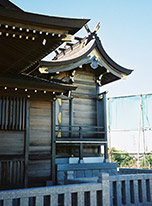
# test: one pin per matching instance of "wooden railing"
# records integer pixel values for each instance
(82, 135)
(80, 132)
(11, 173)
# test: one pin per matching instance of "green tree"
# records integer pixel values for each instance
(123, 158)
(146, 162)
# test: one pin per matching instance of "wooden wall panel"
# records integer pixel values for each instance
(11, 143)
(71, 150)
(12, 113)
(65, 112)
(86, 76)
(40, 127)
(84, 109)
(85, 82)
(82, 104)
(11, 174)
(39, 170)
(84, 112)
(85, 89)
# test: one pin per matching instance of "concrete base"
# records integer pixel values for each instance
(88, 170)
(75, 160)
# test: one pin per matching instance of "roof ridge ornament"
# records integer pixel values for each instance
(95, 29)
(87, 28)
(68, 38)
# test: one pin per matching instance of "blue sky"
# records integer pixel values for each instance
(126, 34)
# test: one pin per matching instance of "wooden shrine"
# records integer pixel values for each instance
(49, 110)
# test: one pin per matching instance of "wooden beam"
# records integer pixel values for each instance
(81, 142)
(23, 113)
(53, 143)
(20, 113)
(78, 38)
(105, 153)
(29, 82)
(16, 113)
(81, 152)
(2, 112)
(70, 116)
(22, 93)
(35, 27)
(81, 145)
(102, 118)
(99, 117)
(6, 113)
(13, 114)
(26, 142)
(83, 95)
(100, 110)
(105, 126)
(10, 113)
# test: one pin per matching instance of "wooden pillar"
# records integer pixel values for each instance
(81, 146)
(98, 105)
(99, 110)
(70, 116)
(102, 118)
(53, 144)
(71, 151)
(81, 153)
(105, 126)
(26, 142)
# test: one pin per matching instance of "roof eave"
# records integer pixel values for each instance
(109, 61)
(9, 5)
(28, 82)
(62, 64)
(69, 25)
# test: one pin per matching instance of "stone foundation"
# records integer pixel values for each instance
(85, 170)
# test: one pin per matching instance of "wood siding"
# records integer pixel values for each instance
(40, 127)
(12, 113)
(84, 114)
(40, 142)
(74, 150)
(86, 86)
(11, 143)
(65, 112)
(84, 104)
(11, 173)
(12, 138)
(39, 172)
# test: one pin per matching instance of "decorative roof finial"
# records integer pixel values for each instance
(95, 30)
(97, 27)
(87, 28)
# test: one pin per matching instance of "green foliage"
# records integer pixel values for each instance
(146, 162)
(121, 157)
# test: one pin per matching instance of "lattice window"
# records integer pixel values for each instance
(12, 113)
(11, 172)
